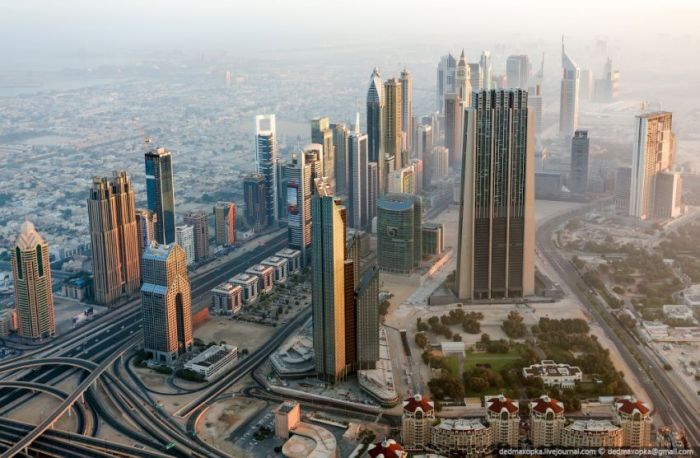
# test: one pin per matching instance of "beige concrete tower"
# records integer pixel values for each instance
(114, 237)
(407, 109)
(31, 271)
(392, 120)
(225, 223)
(199, 221)
(165, 302)
(496, 249)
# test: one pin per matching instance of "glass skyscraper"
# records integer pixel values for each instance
(161, 194)
(266, 160)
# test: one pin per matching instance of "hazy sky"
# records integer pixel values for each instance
(63, 28)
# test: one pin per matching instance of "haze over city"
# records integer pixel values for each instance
(367, 229)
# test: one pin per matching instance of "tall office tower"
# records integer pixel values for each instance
(399, 234)
(340, 142)
(184, 236)
(476, 76)
(496, 248)
(440, 163)
(322, 134)
(407, 109)
(568, 102)
(372, 190)
(266, 160)
(499, 82)
(424, 144)
(281, 204)
(225, 223)
(538, 77)
(300, 176)
(607, 87)
(586, 84)
(453, 127)
(161, 193)
(667, 195)
(392, 121)
(367, 318)
(534, 101)
(653, 151)
(486, 69)
(328, 286)
(254, 196)
(578, 174)
(518, 71)
(375, 116)
(165, 303)
(114, 238)
(199, 220)
(31, 273)
(350, 319)
(358, 189)
(623, 183)
(446, 79)
(145, 228)
(463, 83)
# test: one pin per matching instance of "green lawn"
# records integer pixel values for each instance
(453, 366)
(497, 360)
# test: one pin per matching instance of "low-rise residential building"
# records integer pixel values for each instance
(226, 299)
(213, 360)
(280, 266)
(416, 422)
(553, 374)
(293, 257)
(546, 421)
(502, 415)
(461, 437)
(591, 433)
(678, 312)
(265, 274)
(249, 285)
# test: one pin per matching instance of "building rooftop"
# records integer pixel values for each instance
(287, 406)
(628, 406)
(244, 278)
(212, 354)
(387, 448)
(593, 426)
(548, 368)
(498, 403)
(226, 288)
(418, 402)
(396, 202)
(544, 403)
(462, 424)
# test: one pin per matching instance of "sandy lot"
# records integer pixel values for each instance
(239, 333)
(224, 417)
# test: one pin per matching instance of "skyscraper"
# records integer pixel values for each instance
(446, 79)
(358, 190)
(255, 206)
(375, 116)
(486, 69)
(372, 190)
(606, 88)
(463, 87)
(161, 193)
(300, 176)
(495, 256)
(199, 220)
(340, 142)
(653, 151)
(145, 228)
(407, 109)
(392, 121)
(518, 71)
(225, 223)
(623, 183)
(328, 286)
(367, 319)
(266, 160)
(476, 76)
(578, 174)
(399, 235)
(424, 143)
(453, 127)
(165, 303)
(534, 101)
(184, 236)
(114, 238)
(31, 272)
(568, 102)
(321, 134)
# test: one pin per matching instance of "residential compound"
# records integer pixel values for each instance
(421, 431)
(554, 375)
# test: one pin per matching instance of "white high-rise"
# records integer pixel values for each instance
(486, 69)
(568, 104)
(184, 236)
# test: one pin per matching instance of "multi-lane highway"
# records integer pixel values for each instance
(669, 404)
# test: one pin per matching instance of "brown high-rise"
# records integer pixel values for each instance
(114, 238)
(225, 223)
(199, 220)
(392, 121)
(495, 256)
